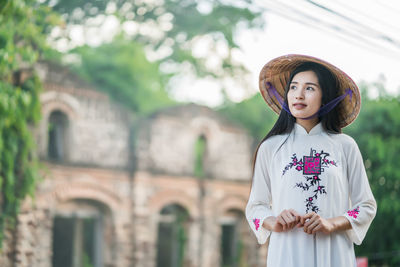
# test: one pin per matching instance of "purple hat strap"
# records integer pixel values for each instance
(273, 90)
(322, 110)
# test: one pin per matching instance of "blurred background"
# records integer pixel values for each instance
(128, 127)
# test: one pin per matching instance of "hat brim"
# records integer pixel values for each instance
(278, 70)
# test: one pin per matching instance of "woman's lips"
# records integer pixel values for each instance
(299, 106)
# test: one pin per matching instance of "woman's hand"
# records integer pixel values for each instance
(313, 222)
(285, 221)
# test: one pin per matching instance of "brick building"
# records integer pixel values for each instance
(166, 190)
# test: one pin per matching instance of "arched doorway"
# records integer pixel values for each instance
(235, 240)
(172, 236)
(80, 231)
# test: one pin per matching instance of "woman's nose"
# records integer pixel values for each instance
(299, 94)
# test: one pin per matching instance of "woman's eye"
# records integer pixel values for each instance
(310, 88)
(293, 87)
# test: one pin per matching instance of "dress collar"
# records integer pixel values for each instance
(299, 130)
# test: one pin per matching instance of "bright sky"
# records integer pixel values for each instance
(364, 57)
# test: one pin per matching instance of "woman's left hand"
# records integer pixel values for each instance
(313, 222)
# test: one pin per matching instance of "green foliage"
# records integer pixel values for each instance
(22, 38)
(181, 237)
(122, 70)
(23, 24)
(18, 165)
(239, 253)
(86, 260)
(200, 148)
(173, 30)
(220, 24)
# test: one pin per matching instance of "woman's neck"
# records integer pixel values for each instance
(307, 124)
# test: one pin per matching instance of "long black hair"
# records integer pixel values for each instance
(330, 90)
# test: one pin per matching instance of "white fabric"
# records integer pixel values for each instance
(280, 182)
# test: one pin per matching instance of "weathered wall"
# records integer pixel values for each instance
(167, 140)
(98, 129)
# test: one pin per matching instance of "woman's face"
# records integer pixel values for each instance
(304, 95)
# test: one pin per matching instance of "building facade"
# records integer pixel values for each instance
(166, 190)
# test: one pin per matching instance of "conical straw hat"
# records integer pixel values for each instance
(278, 71)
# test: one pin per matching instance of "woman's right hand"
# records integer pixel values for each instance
(285, 221)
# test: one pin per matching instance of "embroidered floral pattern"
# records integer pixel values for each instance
(354, 213)
(312, 166)
(256, 223)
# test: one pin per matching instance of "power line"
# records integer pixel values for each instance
(368, 16)
(391, 8)
(316, 23)
(282, 10)
(377, 33)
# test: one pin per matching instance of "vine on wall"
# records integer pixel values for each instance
(23, 28)
(19, 107)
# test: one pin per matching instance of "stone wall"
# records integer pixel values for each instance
(166, 143)
(98, 130)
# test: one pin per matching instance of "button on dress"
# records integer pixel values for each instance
(310, 172)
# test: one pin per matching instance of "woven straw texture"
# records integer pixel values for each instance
(278, 70)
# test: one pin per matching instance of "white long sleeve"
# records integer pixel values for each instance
(259, 204)
(363, 205)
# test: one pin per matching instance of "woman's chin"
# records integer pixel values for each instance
(301, 115)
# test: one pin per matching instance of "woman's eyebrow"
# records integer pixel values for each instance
(313, 84)
(306, 83)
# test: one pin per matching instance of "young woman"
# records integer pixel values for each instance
(310, 192)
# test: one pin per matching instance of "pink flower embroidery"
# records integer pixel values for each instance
(312, 167)
(256, 223)
(353, 213)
